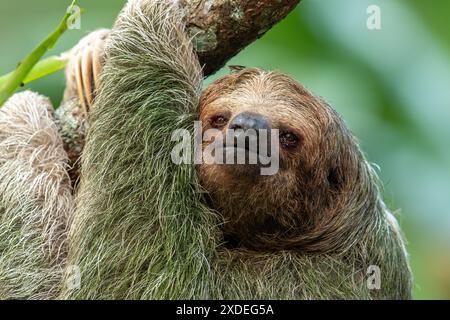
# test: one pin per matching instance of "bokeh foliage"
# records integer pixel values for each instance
(392, 86)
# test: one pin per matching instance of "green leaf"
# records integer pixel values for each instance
(10, 82)
(41, 69)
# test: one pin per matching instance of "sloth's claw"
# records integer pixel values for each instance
(97, 60)
(85, 65)
(86, 69)
(79, 82)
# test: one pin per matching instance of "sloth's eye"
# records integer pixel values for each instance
(288, 140)
(219, 121)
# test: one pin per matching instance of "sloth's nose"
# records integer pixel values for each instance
(246, 120)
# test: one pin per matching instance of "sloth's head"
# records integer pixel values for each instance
(319, 163)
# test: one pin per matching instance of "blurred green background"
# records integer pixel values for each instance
(391, 85)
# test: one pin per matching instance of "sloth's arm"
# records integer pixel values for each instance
(36, 202)
(141, 230)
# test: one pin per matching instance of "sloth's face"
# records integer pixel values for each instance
(254, 100)
(277, 119)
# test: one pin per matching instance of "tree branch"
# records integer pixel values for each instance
(222, 28)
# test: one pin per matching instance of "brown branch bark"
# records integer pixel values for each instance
(222, 28)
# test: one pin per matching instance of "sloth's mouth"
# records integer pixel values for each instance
(236, 155)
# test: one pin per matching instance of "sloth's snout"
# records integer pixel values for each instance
(246, 120)
(249, 128)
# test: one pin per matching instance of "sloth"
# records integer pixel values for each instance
(147, 228)
(322, 171)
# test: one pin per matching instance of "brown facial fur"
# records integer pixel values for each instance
(320, 184)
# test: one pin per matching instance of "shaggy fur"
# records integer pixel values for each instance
(36, 201)
(142, 227)
(325, 194)
(323, 207)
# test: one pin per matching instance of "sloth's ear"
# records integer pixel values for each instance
(234, 69)
(334, 178)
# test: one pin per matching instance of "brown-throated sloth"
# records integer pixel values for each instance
(145, 227)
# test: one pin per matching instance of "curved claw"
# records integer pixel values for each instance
(79, 82)
(97, 63)
(86, 69)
